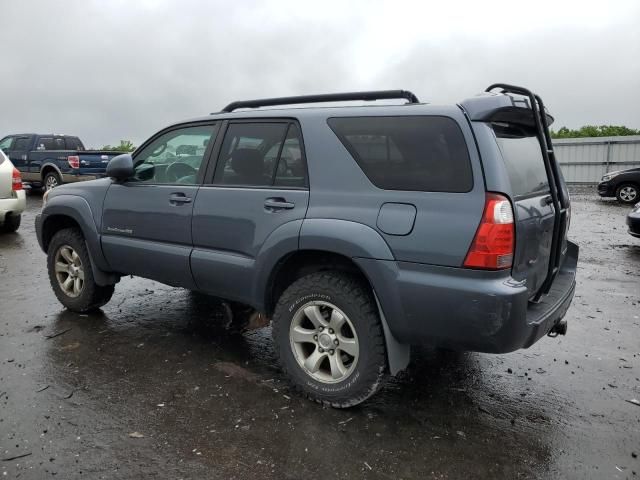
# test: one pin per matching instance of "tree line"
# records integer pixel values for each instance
(594, 131)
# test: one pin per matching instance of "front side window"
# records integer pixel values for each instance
(5, 144)
(413, 153)
(175, 157)
(21, 144)
(261, 155)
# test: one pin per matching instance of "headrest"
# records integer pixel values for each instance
(247, 162)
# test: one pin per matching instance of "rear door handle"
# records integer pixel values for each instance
(179, 199)
(277, 203)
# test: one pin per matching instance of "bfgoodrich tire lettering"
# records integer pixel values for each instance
(87, 295)
(364, 368)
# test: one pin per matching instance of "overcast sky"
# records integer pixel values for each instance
(111, 70)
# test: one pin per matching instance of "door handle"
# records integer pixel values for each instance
(179, 199)
(277, 203)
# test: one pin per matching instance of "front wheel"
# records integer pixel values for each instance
(70, 273)
(329, 339)
(627, 193)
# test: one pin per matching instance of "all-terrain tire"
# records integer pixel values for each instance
(92, 295)
(354, 298)
(11, 223)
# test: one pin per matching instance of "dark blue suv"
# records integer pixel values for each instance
(359, 230)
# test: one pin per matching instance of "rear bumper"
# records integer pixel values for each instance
(14, 205)
(633, 221)
(606, 189)
(474, 310)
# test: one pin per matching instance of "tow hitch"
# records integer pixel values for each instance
(559, 328)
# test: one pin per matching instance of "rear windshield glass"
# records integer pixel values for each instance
(523, 158)
(415, 153)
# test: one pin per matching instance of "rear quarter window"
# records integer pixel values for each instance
(416, 153)
(523, 160)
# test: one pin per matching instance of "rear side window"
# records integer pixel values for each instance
(73, 143)
(261, 155)
(523, 159)
(416, 153)
(46, 143)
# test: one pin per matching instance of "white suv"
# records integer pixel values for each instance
(12, 196)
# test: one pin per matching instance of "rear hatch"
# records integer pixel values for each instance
(540, 198)
(533, 209)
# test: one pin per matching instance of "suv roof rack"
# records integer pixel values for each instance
(328, 97)
(558, 195)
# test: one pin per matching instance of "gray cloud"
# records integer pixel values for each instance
(121, 70)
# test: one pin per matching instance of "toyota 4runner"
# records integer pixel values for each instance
(359, 230)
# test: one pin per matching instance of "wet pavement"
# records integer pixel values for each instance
(157, 386)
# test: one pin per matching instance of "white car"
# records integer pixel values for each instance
(12, 196)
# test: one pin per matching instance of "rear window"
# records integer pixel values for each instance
(523, 158)
(415, 153)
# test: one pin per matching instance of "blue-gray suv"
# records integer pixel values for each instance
(358, 230)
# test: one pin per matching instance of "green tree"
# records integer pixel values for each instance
(594, 131)
(125, 146)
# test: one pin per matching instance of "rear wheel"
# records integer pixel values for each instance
(628, 193)
(70, 273)
(51, 180)
(11, 223)
(329, 339)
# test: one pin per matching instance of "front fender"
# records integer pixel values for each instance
(77, 208)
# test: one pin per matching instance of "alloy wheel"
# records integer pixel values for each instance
(69, 271)
(324, 342)
(51, 182)
(628, 194)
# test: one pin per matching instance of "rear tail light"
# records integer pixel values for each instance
(493, 245)
(16, 180)
(74, 161)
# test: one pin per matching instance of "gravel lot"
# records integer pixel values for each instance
(156, 386)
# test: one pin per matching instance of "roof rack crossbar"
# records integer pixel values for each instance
(329, 97)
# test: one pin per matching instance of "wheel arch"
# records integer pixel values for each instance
(301, 263)
(50, 167)
(72, 211)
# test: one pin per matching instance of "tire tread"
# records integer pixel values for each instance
(364, 303)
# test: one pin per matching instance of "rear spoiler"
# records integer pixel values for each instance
(503, 108)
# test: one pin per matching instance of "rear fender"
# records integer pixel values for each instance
(364, 245)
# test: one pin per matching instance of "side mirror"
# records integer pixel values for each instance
(121, 167)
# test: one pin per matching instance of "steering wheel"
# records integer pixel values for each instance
(177, 170)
